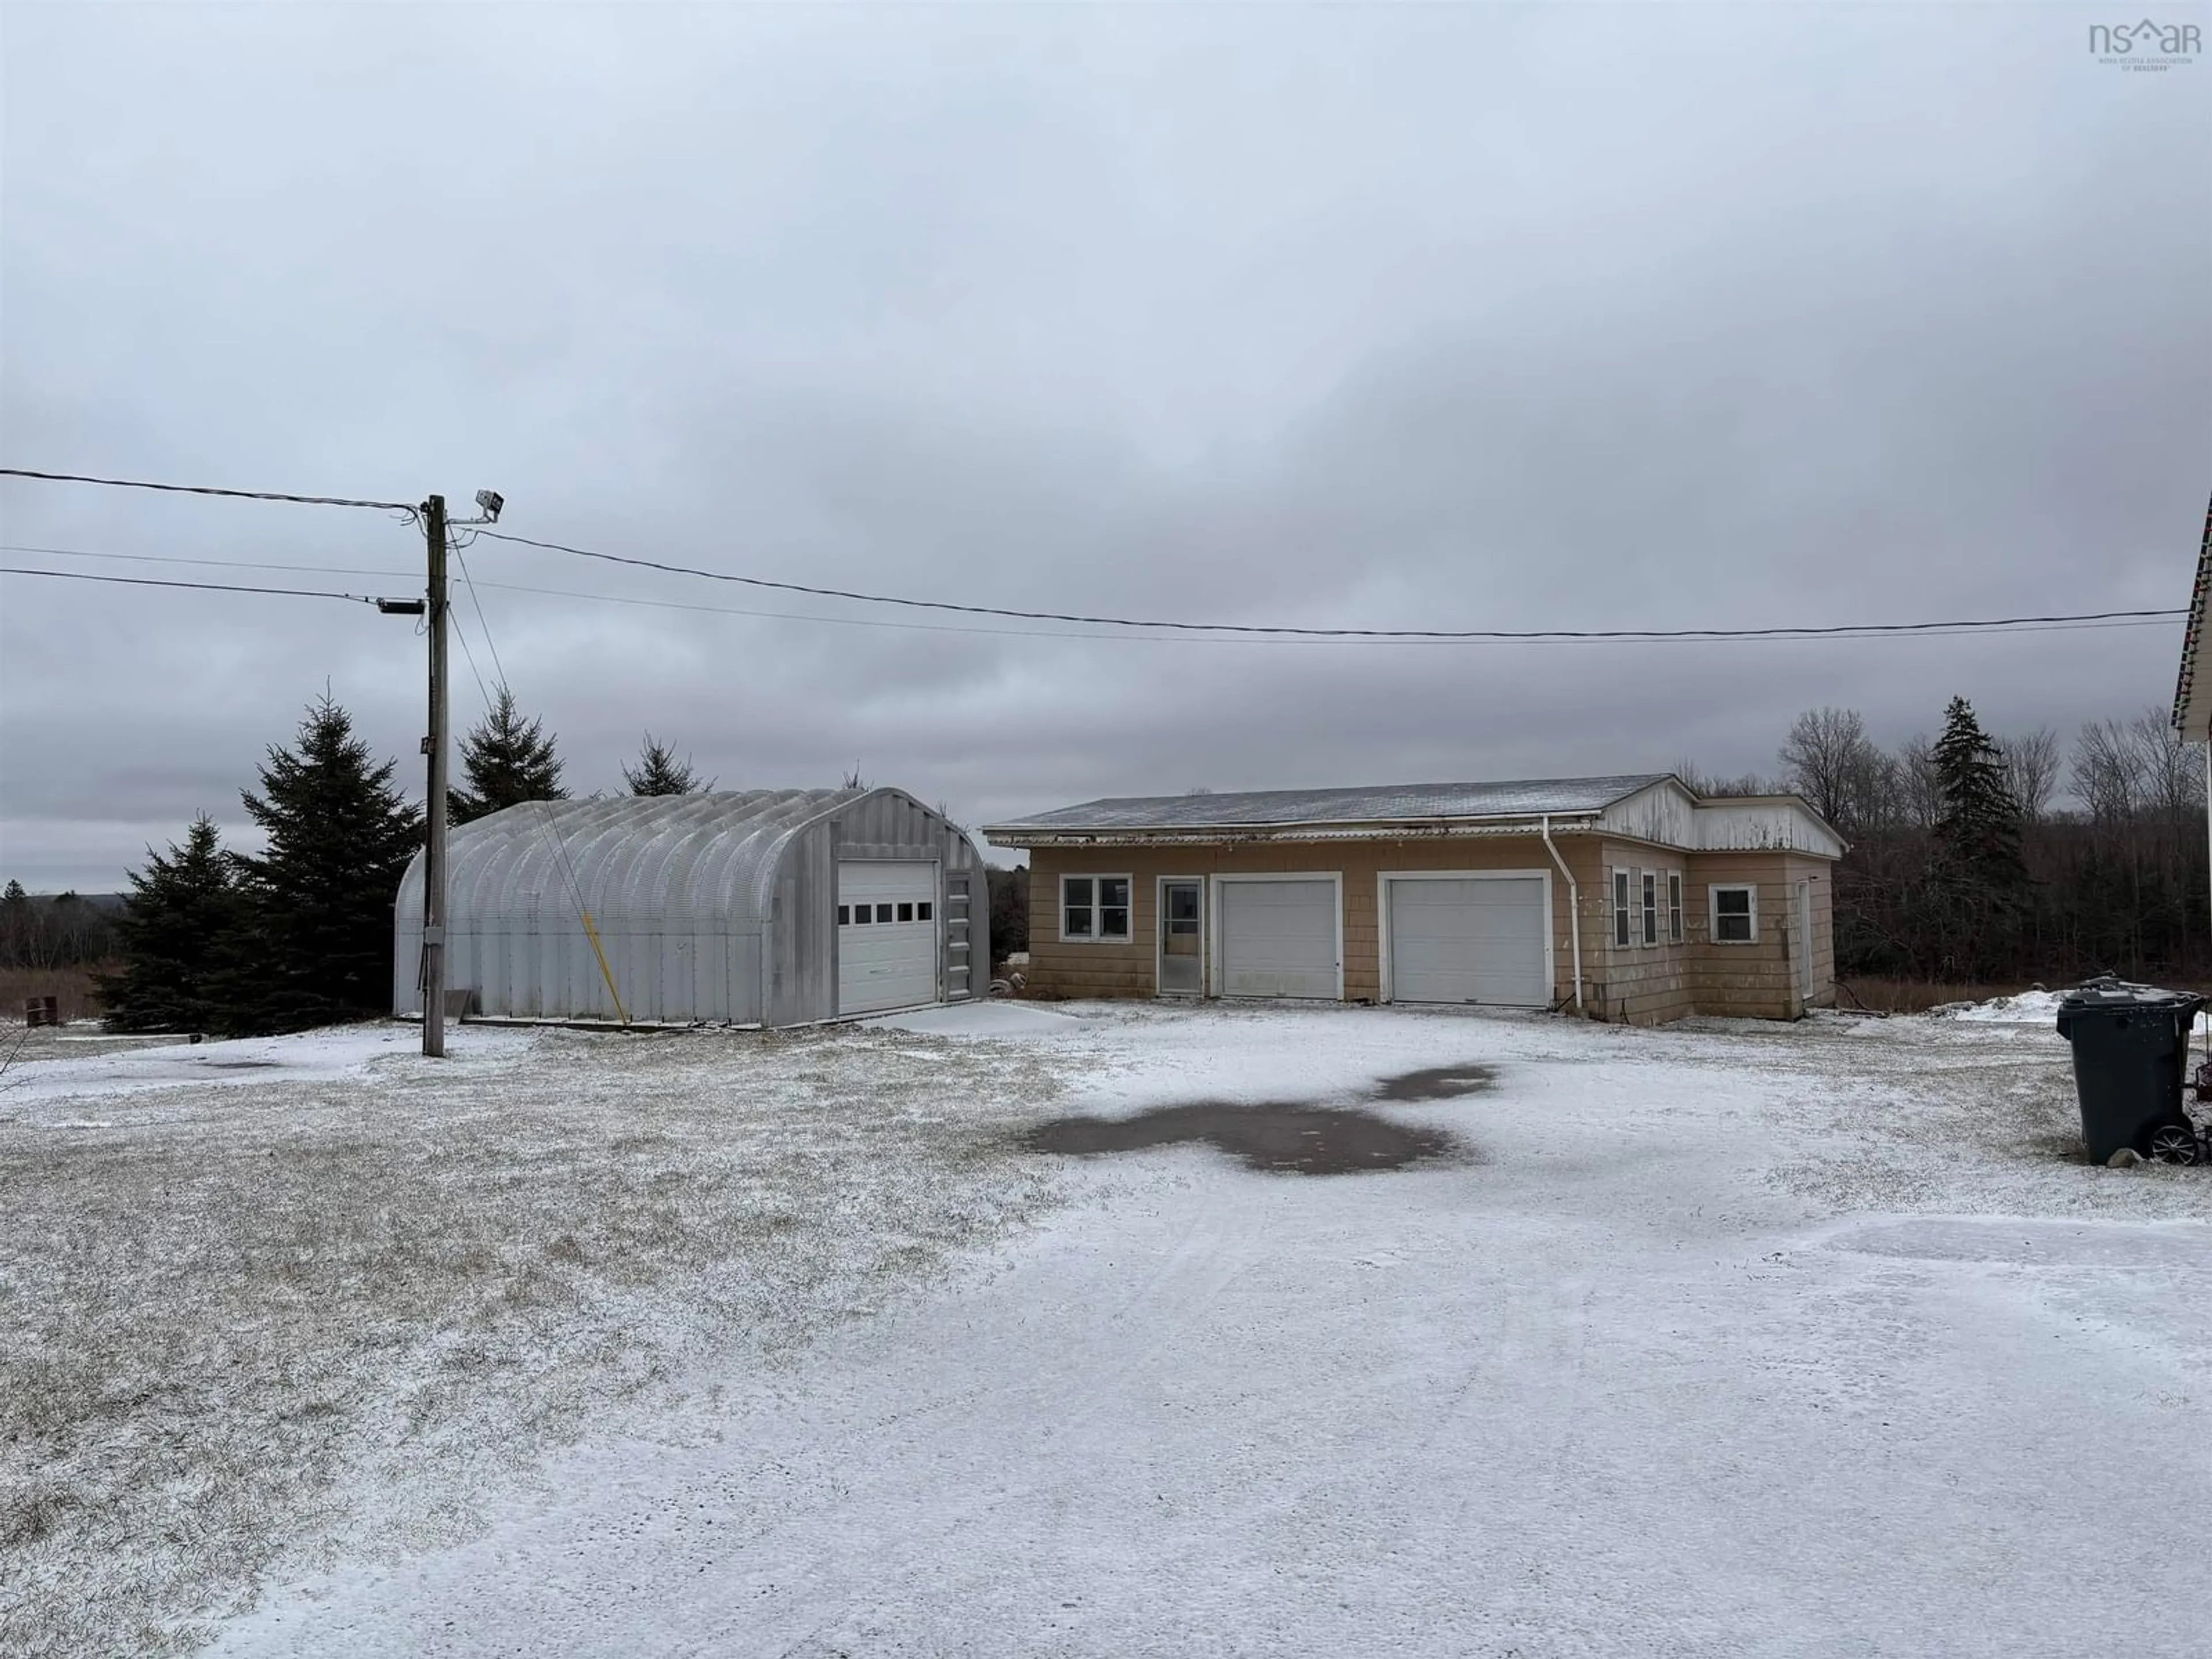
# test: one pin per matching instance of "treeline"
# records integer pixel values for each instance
(1980, 859)
(61, 930)
(212, 939)
(1010, 910)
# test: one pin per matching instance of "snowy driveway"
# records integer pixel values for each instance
(1765, 1341)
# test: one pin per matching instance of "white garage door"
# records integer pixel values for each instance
(1278, 938)
(1469, 940)
(886, 936)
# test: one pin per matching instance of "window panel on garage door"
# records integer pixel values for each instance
(1468, 940)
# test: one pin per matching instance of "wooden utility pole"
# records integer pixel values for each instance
(434, 840)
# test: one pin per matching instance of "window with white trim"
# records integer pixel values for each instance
(1620, 932)
(1735, 913)
(1094, 909)
(1650, 879)
(1674, 906)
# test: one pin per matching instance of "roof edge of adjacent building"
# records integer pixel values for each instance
(2187, 718)
(1192, 827)
(1620, 785)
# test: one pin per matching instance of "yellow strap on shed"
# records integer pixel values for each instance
(606, 972)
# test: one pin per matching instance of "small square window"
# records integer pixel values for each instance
(1735, 916)
(844, 916)
(1095, 908)
(863, 914)
(1113, 907)
(882, 913)
(906, 913)
(921, 911)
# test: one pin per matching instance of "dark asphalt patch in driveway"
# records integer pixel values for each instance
(1277, 1138)
(1437, 1082)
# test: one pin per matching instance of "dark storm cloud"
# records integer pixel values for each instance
(1482, 317)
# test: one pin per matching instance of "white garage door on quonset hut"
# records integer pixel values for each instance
(759, 908)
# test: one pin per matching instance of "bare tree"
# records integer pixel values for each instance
(2109, 773)
(1820, 756)
(1700, 782)
(2172, 768)
(1880, 805)
(2031, 771)
(1843, 774)
(1919, 785)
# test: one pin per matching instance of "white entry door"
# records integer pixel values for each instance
(1804, 939)
(887, 925)
(1278, 938)
(1469, 939)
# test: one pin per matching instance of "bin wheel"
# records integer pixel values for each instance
(2171, 1143)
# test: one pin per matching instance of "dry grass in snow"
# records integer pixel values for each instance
(233, 1318)
(71, 988)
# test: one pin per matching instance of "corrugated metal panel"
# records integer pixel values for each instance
(1307, 834)
(1652, 807)
(1394, 803)
(709, 906)
(1661, 812)
(1767, 824)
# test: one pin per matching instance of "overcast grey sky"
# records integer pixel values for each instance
(1571, 316)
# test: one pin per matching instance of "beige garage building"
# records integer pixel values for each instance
(1630, 897)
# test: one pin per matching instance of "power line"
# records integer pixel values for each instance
(1841, 631)
(1854, 629)
(545, 809)
(482, 621)
(205, 587)
(2153, 619)
(483, 691)
(214, 564)
(206, 490)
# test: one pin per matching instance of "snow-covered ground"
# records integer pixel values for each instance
(2028, 1008)
(1725, 1339)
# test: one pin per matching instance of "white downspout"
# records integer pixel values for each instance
(1574, 893)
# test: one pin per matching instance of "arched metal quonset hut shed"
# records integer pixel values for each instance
(768, 907)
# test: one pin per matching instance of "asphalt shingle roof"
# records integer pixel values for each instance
(1386, 804)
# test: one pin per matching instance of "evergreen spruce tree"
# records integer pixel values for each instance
(505, 761)
(1977, 881)
(19, 927)
(180, 930)
(658, 772)
(340, 837)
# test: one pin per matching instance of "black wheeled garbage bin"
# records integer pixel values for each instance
(2130, 1049)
